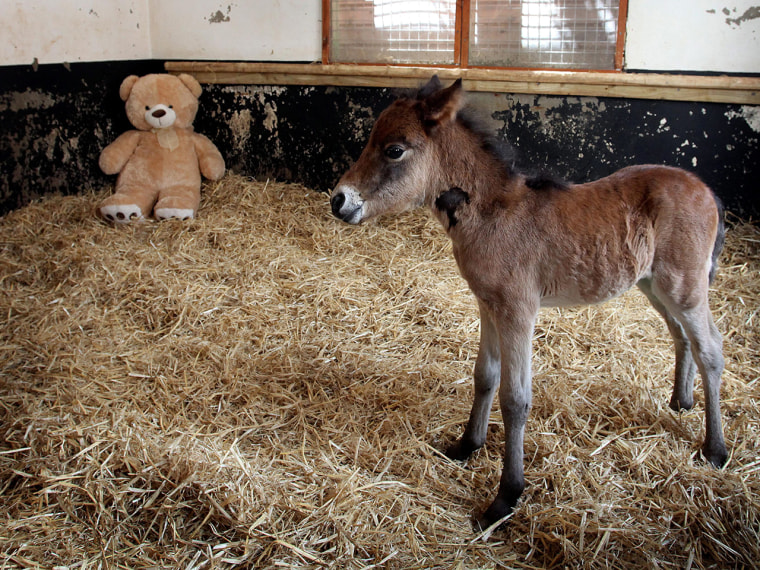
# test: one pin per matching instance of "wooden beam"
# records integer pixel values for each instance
(462, 54)
(620, 40)
(714, 89)
(326, 30)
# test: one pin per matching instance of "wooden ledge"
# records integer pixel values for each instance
(708, 89)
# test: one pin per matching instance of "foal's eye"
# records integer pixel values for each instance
(394, 151)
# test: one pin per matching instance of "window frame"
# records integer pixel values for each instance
(462, 43)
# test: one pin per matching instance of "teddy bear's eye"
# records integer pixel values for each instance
(147, 107)
(171, 106)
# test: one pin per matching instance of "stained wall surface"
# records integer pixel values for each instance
(61, 63)
(313, 134)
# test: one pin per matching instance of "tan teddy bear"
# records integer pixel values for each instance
(159, 164)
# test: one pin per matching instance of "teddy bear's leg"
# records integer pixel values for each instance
(179, 202)
(127, 204)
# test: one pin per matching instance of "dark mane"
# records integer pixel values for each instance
(502, 151)
(507, 155)
(545, 181)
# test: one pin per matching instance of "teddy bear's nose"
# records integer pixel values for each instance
(158, 113)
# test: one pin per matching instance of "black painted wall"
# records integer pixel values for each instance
(56, 119)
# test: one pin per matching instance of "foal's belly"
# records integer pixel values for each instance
(572, 288)
(574, 298)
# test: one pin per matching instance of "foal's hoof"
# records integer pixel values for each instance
(678, 405)
(497, 512)
(460, 450)
(716, 455)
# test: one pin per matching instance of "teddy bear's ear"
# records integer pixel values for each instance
(191, 83)
(126, 87)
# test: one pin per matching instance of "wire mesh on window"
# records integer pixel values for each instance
(577, 34)
(393, 31)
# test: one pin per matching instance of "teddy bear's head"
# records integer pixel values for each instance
(159, 101)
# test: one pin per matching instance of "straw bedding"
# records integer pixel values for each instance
(266, 387)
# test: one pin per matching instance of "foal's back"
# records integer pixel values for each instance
(586, 243)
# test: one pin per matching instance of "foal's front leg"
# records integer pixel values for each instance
(487, 374)
(515, 334)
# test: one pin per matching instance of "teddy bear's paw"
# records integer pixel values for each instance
(176, 213)
(122, 213)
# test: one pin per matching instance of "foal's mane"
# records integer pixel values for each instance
(505, 154)
(502, 151)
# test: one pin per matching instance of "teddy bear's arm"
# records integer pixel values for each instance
(115, 155)
(209, 158)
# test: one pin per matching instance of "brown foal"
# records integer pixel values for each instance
(525, 243)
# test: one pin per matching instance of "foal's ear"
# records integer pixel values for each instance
(429, 88)
(443, 105)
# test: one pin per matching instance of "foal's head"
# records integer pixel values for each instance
(400, 167)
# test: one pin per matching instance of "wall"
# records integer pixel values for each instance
(55, 121)
(252, 30)
(698, 35)
(58, 31)
(59, 113)
(313, 134)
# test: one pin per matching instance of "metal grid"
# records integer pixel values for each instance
(576, 34)
(558, 34)
(393, 31)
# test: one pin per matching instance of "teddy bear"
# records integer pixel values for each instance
(160, 163)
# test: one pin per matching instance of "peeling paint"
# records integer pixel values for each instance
(240, 125)
(752, 13)
(220, 17)
(749, 113)
(56, 122)
(270, 117)
(18, 101)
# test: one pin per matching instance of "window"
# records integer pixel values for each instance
(548, 34)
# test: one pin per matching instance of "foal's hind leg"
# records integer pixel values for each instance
(686, 367)
(707, 350)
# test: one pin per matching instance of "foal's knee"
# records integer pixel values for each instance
(515, 408)
(712, 361)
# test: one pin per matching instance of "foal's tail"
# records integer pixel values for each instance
(720, 239)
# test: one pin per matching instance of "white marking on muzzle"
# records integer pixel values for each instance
(351, 210)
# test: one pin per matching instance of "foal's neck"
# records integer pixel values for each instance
(466, 162)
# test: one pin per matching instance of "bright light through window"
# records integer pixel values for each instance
(574, 34)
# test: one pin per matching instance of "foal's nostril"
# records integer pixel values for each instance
(158, 113)
(337, 202)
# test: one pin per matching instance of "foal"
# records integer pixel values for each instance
(523, 244)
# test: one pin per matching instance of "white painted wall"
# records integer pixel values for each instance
(677, 35)
(693, 35)
(57, 31)
(248, 30)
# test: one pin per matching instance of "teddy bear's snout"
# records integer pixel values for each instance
(160, 116)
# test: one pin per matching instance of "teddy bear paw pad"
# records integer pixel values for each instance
(177, 213)
(122, 214)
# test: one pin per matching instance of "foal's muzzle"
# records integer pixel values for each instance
(347, 205)
(336, 202)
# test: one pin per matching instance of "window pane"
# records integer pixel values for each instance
(578, 34)
(393, 31)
